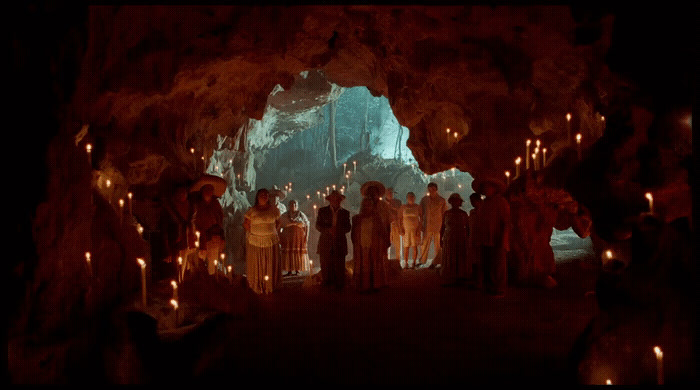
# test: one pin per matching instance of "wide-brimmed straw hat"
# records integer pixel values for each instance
(496, 180)
(217, 182)
(373, 183)
(276, 192)
(335, 194)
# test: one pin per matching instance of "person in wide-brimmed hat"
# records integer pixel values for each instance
(433, 206)
(333, 222)
(494, 235)
(276, 198)
(454, 234)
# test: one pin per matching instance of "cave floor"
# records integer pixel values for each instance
(413, 331)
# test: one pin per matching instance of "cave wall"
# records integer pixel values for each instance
(154, 82)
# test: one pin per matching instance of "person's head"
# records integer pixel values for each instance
(455, 200)
(475, 199)
(410, 198)
(207, 192)
(367, 206)
(432, 188)
(373, 193)
(262, 197)
(389, 194)
(488, 188)
(334, 198)
(181, 194)
(292, 205)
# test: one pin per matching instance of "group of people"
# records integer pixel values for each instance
(467, 246)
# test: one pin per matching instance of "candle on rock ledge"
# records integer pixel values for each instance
(89, 264)
(517, 167)
(142, 263)
(659, 365)
(527, 153)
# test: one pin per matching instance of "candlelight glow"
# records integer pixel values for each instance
(544, 150)
(578, 137)
(197, 234)
(602, 118)
(196, 244)
(121, 202)
(455, 134)
(87, 256)
(222, 256)
(192, 150)
(88, 147)
(459, 186)
(141, 262)
(517, 161)
(129, 195)
(537, 143)
(658, 352)
(174, 304)
(229, 269)
(179, 260)
(216, 262)
(267, 278)
(608, 382)
(649, 196)
(507, 173)
(108, 183)
(447, 130)
(174, 284)
(568, 116)
(537, 150)
(308, 196)
(609, 254)
(139, 228)
(528, 142)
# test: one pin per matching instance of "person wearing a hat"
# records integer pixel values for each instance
(394, 205)
(333, 222)
(494, 239)
(276, 196)
(208, 220)
(454, 233)
(433, 206)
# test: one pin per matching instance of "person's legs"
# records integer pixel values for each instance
(325, 269)
(405, 255)
(425, 248)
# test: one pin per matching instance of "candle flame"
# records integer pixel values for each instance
(658, 352)
(192, 150)
(108, 183)
(544, 150)
(568, 116)
(537, 150)
(216, 262)
(174, 284)
(528, 142)
(196, 244)
(229, 269)
(308, 196)
(602, 118)
(608, 254)
(121, 202)
(648, 196)
(507, 173)
(608, 382)
(179, 260)
(534, 156)
(88, 147)
(459, 185)
(455, 134)
(267, 278)
(174, 304)
(141, 262)
(517, 161)
(196, 233)
(578, 137)
(129, 195)
(447, 130)
(87, 256)
(314, 206)
(139, 228)
(223, 256)
(537, 143)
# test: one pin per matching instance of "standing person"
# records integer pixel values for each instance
(208, 220)
(475, 228)
(370, 238)
(276, 198)
(454, 235)
(262, 255)
(411, 218)
(433, 206)
(494, 240)
(179, 233)
(333, 222)
(394, 205)
(294, 238)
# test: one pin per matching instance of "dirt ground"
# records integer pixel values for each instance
(413, 331)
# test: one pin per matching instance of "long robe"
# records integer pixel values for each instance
(370, 238)
(494, 220)
(293, 241)
(332, 248)
(454, 234)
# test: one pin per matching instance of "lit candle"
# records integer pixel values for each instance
(314, 209)
(517, 166)
(223, 261)
(608, 382)
(328, 190)
(507, 178)
(459, 186)
(345, 166)
(108, 184)
(354, 163)
(455, 134)
(347, 179)
(342, 190)
(192, 150)
(143, 281)
(88, 148)
(527, 153)
(319, 194)
(333, 187)
(216, 269)
(179, 269)
(131, 207)
(174, 284)
(659, 366)
(266, 278)
(602, 118)
(650, 198)
(196, 233)
(568, 128)
(230, 271)
(311, 267)
(89, 264)
(308, 197)
(139, 228)
(239, 179)
(447, 131)
(578, 145)
(534, 158)
(196, 244)
(453, 171)
(286, 188)
(537, 144)
(537, 161)
(544, 157)
(609, 254)
(173, 302)
(290, 186)
(121, 211)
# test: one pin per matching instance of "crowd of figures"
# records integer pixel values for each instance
(468, 248)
